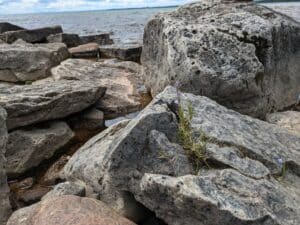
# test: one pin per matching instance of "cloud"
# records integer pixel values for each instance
(30, 6)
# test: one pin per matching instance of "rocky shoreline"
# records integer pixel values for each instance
(200, 125)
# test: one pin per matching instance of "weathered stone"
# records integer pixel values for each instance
(85, 50)
(21, 62)
(123, 93)
(32, 195)
(128, 52)
(239, 150)
(242, 55)
(71, 40)
(68, 210)
(28, 147)
(289, 120)
(4, 27)
(30, 104)
(100, 39)
(31, 36)
(66, 188)
(5, 208)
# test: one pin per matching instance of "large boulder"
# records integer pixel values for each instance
(123, 84)
(242, 55)
(68, 210)
(4, 27)
(29, 104)
(28, 147)
(71, 40)
(31, 36)
(5, 208)
(250, 175)
(20, 62)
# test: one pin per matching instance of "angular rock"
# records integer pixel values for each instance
(85, 50)
(28, 147)
(66, 188)
(31, 36)
(100, 39)
(32, 195)
(123, 93)
(71, 40)
(289, 120)
(20, 62)
(127, 52)
(4, 27)
(239, 150)
(5, 208)
(68, 210)
(242, 55)
(31, 104)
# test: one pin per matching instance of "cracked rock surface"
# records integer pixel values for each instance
(242, 55)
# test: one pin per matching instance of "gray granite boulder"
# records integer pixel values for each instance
(21, 62)
(5, 208)
(4, 27)
(242, 55)
(28, 147)
(242, 181)
(29, 104)
(31, 36)
(71, 40)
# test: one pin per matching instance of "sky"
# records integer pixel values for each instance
(32, 6)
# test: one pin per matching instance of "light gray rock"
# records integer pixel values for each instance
(237, 187)
(100, 39)
(66, 188)
(29, 104)
(71, 40)
(21, 62)
(28, 147)
(89, 50)
(31, 36)
(242, 55)
(4, 27)
(127, 52)
(5, 208)
(290, 120)
(123, 93)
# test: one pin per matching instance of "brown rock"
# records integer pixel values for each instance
(68, 210)
(85, 50)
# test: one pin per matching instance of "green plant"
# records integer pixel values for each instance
(195, 148)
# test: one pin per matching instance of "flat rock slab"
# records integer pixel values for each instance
(28, 147)
(68, 210)
(29, 104)
(71, 40)
(21, 62)
(31, 36)
(241, 54)
(85, 50)
(289, 120)
(123, 95)
(127, 52)
(100, 39)
(4, 27)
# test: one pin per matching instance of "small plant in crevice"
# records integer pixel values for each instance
(283, 168)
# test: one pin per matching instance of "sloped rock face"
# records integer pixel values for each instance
(240, 186)
(29, 104)
(27, 148)
(68, 210)
(4, 27)
(5, 209)
(242, 55)
(22, 62)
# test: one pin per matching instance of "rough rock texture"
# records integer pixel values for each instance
(28, 147)
(101, 39)
(68, 210)
(238, 187)
(123, 85)
(71, 40)
(242, 55)
(5, 209)
(85, 50)
(128, 52)
(66, 188)
(22, 62)
(31, 36)
(4, 27)
(289, 120)
(29, 104)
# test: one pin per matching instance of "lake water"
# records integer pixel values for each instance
(126, 25)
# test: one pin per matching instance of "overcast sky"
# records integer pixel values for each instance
(29, 6)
